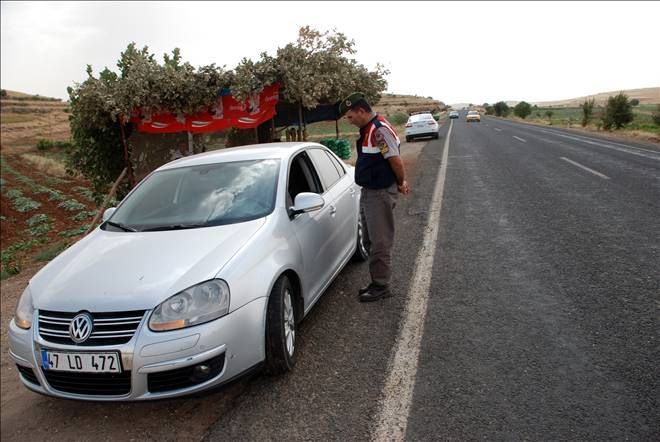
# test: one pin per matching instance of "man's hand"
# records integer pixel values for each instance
(404, 188)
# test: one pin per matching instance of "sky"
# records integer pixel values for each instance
(456, 52)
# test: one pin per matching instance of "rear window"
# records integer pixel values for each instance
(420, 117)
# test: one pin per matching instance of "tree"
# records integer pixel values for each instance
(587, 111)
(549, 114)
(522, 109)
(316, 69)
(490, 110)
(634, 102)
(618, 112)
(501, 109)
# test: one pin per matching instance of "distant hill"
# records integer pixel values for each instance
(649, 95)
(390, 104)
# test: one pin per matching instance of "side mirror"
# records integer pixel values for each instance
(306, 202)
(108, 213)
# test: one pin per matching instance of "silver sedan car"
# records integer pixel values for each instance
(202, 273)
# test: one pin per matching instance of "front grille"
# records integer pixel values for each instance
(184, 377)
(97, 384)
(28, 374)
(109, 328)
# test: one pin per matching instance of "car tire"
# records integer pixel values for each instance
(408, 139)
(436, 136)
(281, 328)
(362, 249)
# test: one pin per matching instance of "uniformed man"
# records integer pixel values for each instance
(380, 172)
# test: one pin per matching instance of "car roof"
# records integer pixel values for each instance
(242, 153)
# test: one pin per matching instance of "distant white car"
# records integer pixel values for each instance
(453, 114)
(473, 116)
(421, 125)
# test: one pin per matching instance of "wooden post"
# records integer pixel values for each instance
(107, 199)
(190, 143)
(300, 121)
(337, 128)
(127, 162)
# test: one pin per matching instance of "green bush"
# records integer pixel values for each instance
(501, 109)
(587, 111)
(75, 232)
(39, 230)
(522, 109)
(51, 251)
(398, 118)
(618, 112)
(656, 116)
(12, 194)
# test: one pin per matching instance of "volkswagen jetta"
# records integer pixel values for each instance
(201, 273)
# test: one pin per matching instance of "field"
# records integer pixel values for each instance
(642, 125)
(43, 209)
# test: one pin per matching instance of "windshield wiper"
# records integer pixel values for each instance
(173, 227)
(121, 226)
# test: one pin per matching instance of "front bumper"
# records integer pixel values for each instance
(233, 343)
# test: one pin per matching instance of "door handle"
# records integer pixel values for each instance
(333, 210)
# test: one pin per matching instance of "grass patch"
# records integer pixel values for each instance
(8, 118)
(52, 181)
(45, 164)
(44, 144)
(51, 252)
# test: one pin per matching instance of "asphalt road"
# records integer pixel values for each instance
(541, 322)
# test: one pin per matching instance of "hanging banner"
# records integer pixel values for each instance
(224, 114)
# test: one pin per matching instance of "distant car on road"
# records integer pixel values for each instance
(421, 125)
(453, 114)
(203, 271)
(473, 116)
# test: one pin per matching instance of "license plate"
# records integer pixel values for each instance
(81, 362)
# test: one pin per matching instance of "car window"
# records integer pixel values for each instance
(302, 177)
(340, 167)
(421, 117)
(201, 196)
(325, 168)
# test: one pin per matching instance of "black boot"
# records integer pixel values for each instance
(365, 289)
(375, 292)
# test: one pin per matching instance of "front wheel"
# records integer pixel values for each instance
(280, 328)
(408, 139)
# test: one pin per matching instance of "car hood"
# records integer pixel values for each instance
(120, 271)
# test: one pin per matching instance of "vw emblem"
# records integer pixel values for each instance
(81, 327)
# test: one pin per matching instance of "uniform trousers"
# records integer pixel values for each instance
(377, 211)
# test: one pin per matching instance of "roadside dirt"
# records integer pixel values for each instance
(27, 416)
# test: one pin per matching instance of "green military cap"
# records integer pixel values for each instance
(352, 100)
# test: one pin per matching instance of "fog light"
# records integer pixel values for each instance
(201, 371)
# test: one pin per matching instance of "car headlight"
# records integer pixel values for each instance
(24, 310)
(195, 305)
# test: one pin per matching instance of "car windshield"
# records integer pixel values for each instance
(200, 196)
(473, 113)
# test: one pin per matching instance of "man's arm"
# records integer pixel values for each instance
(400, 172)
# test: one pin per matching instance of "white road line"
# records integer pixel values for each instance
(519, 139)
(610, 145)
(605, 177)
(497, 129)
(402, 370)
